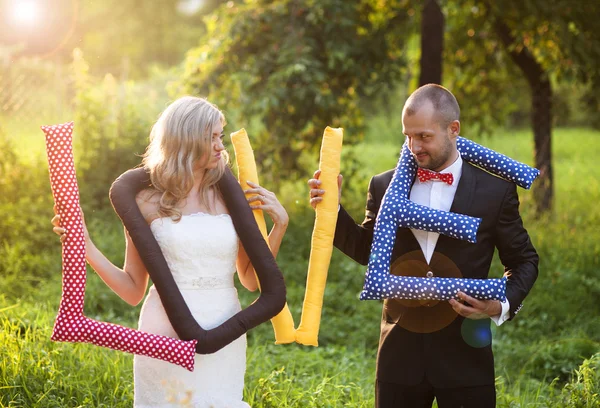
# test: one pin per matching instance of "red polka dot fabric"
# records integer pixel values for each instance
(71, 325)
(427, 175)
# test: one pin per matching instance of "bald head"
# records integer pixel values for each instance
(444, 103)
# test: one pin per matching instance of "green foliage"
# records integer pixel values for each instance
(486, 82)
(33, 92)
(584, 388)
(112, 124)
(298, 66)
(25, 251)
(24, 186)
(560, 35)
(331, 376)
(559, 359)
(157, 33)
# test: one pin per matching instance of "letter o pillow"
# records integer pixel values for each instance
(272, 296)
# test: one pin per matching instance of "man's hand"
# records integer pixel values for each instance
(316, 193)
(478, 309)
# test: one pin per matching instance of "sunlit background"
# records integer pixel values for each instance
(124, 38)
(25, 12)
(526, 74)
(38, 27)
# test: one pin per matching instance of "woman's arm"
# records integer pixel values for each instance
(128, 283)
(267, 201)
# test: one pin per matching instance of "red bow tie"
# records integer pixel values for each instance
(426, 175)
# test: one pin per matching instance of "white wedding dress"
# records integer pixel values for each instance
(200, 250)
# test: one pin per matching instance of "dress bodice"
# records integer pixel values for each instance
(200, 249)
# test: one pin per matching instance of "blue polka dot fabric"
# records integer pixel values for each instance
(398, 211)
(499, 164)
(447, 288)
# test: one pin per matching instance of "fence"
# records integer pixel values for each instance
(33, 92)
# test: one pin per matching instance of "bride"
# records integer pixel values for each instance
(189, 219)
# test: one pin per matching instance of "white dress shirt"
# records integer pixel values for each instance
(439, 195)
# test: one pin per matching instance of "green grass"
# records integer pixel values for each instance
(25, 133)
(543, 357)
(35, 371)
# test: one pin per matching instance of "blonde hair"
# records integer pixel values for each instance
(180, 139)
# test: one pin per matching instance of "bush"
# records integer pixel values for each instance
(112, 124)
(584, 388)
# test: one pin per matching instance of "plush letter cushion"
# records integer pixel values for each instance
(322, 238)
(283, 323)
(398, 211)
(446, 288)
(71, 325)
(272, 297)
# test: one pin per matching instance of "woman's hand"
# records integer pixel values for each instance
(262, 199)
(63, 232)
(267, 201)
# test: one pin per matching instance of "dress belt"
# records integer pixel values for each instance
(206, 283)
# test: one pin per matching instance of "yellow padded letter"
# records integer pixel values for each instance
(283, 323)
(322, 238)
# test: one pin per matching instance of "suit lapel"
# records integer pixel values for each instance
(406, 242)
(464, 191)
(461, 204)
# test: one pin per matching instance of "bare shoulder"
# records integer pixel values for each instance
(147, 201)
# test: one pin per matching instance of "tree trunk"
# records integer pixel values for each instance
(541, 115)
(432, 43)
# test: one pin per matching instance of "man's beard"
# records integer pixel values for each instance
(442, 158)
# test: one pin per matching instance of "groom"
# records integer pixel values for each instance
(434, 349)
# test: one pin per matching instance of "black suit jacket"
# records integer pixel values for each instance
(428, 339)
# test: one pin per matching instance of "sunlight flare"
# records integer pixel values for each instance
(25, 12)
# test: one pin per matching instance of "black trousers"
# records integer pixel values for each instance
(389, 395)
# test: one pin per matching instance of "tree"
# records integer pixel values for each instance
(541, 112)
(432, 43)
(298, 65)
(547, 43)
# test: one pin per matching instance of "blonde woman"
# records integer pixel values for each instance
(189, 219)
